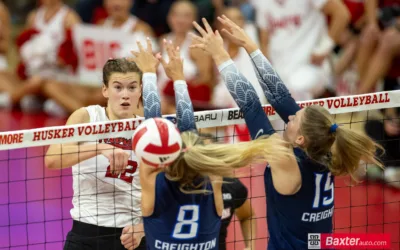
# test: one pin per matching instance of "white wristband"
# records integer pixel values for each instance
(325, 46)
(180, 82)
(224, 65)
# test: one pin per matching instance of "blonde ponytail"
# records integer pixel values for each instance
(349, 148)
(340, 149)
(221, 159)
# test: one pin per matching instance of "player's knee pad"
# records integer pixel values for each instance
(3, 63)
(5, 101)
(54, 109)
(31, 104)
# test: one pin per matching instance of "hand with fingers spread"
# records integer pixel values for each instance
(174, 67)
(118, 159)
(210, 42)
(236, 34)
(145, 59)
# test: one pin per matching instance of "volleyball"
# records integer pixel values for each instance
(157, 142)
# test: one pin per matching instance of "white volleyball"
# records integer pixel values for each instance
(157, 142)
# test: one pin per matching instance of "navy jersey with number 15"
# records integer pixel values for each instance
(181, 221)
(292, 217)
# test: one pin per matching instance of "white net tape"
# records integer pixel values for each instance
(204, 119)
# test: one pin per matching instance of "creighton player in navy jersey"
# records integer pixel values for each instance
(299, 189)
(236, 202)
(182, 203)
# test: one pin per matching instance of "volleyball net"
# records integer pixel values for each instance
(35, 202)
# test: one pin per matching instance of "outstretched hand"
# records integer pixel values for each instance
(145, 59)
(236, 34)
(210, 42)
(174, 67)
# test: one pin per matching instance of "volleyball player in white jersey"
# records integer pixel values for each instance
(5, 28)
(39, 54)
(73, 96)
(297, 41)
(107, 192)
(121, 18)
(198, 67)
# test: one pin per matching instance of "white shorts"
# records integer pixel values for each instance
(3, 62)
(306, 81)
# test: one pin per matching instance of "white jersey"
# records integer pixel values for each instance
(41, 52)
(100, 198)
(295, 28)
(127, 26)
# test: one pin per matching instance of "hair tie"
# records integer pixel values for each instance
(333, 128)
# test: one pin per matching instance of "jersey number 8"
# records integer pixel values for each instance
(189, 223)
(328, 187)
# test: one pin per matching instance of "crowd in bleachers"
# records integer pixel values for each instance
(320, 48)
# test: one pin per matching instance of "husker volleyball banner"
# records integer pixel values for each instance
(349, 241)
(95, 45)
(205, 119)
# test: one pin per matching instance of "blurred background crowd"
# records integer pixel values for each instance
(52, 51)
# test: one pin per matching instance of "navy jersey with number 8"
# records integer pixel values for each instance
(192, 218)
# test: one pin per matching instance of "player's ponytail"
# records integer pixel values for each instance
(337, 147)
(349, 148)
(202, 160)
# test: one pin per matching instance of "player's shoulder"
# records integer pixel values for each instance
(71, 17)
(79, 116)
(143, 27)
(3, 7)
(4, 13)
(31, 17)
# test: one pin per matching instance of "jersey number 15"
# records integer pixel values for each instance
(190, 223)
(327, 187)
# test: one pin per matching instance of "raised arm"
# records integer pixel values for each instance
(239, 87)
(174, 70)
(184, 108)
(247, 100)
(148, 64)
(274, 89)
(151, 97)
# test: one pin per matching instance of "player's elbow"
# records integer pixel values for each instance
(51, 162)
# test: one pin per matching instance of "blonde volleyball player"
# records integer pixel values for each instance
(320, 148)
(182, 203)
(107, 192)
